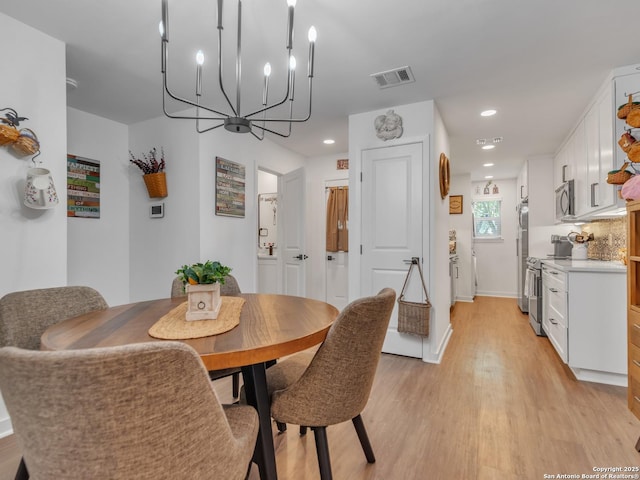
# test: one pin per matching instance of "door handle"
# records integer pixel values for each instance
(330, 257)
(301, 257)
(413, 260)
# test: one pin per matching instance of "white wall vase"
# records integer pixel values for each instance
(203, 301)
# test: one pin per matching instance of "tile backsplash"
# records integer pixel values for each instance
(610, 236)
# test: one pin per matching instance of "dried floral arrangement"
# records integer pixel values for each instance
(149, 163)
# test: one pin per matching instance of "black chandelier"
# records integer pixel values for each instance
(232, 117)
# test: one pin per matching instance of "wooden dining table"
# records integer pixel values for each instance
(271, 326)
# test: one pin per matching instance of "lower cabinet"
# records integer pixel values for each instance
(584, 316)
(554, 308)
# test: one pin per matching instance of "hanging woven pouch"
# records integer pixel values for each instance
(8, 134)
(27, 143)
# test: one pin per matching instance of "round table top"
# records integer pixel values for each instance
(271, 326)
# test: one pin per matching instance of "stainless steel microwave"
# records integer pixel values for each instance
(565, 202)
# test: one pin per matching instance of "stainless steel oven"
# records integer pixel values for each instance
(533, 291)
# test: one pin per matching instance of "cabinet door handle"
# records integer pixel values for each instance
(636, 363)
(564, 173)
(635, 325)
(593, 195)
(554, 322)
(521, 187)
(635, 397)
(552, 272)
(553, 290)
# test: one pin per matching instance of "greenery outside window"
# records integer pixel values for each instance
(487, 218)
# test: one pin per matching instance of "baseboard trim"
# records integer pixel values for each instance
(6, 428)
(437, 356)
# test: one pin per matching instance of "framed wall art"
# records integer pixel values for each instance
(230, 188)
(83, 187)
(455, 204)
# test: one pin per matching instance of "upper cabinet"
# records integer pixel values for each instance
(590, 152)
(522, 183)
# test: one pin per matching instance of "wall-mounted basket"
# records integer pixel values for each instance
(8, 134)
(156, 184)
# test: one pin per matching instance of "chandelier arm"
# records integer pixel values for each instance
(207, 129)
(185, 101)
(256, 136)
(265, 129)
(295, 120)
(235, 113)
(269, 107)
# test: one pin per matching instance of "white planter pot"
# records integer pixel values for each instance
(203, 301)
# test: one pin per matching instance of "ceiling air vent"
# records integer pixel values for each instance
(393, 78)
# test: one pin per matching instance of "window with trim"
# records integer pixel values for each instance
(487, 218)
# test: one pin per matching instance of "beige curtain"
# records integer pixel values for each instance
(338, 219)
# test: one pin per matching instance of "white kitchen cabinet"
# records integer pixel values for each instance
(591, 150)
(584, 316)
(564, 161)
(593, 191)
(522, 182)
(554, 309)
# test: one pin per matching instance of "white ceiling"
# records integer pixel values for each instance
(538, 62)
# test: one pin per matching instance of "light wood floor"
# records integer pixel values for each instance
(500, 406)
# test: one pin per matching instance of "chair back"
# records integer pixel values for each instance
(230, 287)
(25, 315)
(144, 411)
(336, 385)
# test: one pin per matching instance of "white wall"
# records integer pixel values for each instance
(461, 223)
(190, 231)
(421, 123)
(34, 242)
(98, 249)
(318, 171)
(497, 260)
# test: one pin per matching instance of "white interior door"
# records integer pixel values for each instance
(337, 266)
(392, 230)
(293, 245)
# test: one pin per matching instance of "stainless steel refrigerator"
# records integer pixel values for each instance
(522, 251)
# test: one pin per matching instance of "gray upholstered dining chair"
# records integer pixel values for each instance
(144, 411)
(230, 288)
(333, 385)
(25, 315)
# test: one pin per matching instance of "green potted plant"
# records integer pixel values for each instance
(153, 172)
(202, 283)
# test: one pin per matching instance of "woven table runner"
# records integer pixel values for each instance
(174, 326)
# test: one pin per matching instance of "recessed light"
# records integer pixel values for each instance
(488, 147)
(488, 113)
(487, 164)
(329, 141)
(488, 177)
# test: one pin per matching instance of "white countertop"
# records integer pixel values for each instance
(587, 265)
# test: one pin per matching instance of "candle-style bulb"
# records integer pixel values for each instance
(292, 63)
(161, 28)
(313, 34)
(291, 3)
(267, 69)
(200, 57)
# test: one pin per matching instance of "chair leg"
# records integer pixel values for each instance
(282, 427)
(235, 379)
(303, 430)
(364, 439)
(22, 473)
(322, 449)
